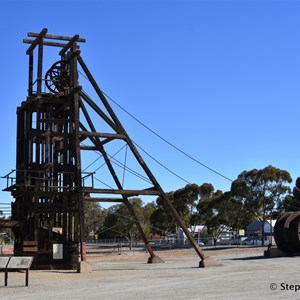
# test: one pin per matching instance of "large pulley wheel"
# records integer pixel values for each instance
(58, 77)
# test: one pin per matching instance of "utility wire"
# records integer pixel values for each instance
(166, 141)
(161, 164)
(117, 163)
(163, 139)
(132, 171)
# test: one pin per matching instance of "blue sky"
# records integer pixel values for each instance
(218, 79)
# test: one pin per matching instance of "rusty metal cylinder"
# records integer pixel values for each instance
(286, 232)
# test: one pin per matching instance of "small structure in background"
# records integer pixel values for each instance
(256, 229)
(196, 231)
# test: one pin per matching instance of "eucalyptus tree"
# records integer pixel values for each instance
(93, 218)
(208, 210)
(162, 220)
(232, 212)
(262, 191)
(185, 201)
(120, 223)
(292, 202)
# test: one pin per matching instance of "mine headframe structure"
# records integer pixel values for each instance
(49, 185)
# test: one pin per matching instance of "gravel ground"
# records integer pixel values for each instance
(245, 274)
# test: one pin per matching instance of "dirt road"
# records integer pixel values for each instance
(245, 274)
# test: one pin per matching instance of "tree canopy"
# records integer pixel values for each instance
(292, 201)
(262, 191)
(120, 223)
(255, 194)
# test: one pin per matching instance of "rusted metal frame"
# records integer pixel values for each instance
(95, 140)
(286, 232)
(86, 115)
(88, 175)
(93, 136)
(116, 120)
(39, 37)
(92, 127)
(56, 37)
(167, 202)
(96, 108)
(121, 191)
(290, 218)
(99, 92)
(108, 140)
(139, 227)
(76, 98)
(141, 161)
(291, 227)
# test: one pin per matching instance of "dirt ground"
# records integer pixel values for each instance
(244, 274)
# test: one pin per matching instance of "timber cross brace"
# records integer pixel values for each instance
(57, 124)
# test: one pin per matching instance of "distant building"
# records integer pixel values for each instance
(255, 228)
(254, 232)
(194, 230)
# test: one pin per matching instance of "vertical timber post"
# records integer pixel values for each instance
(30, 79)
(40, 67)
(78, 156)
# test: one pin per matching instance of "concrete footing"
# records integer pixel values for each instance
(83, 267)
(155, 260)
(274, 252)
(201, 264)
(209, 262)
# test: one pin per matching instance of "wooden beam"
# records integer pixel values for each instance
(56, 37)
(88, 148)
(69, 45)
(45, 43)
(35, 42)
(101, 134)
(129, 193)
(91, 199)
